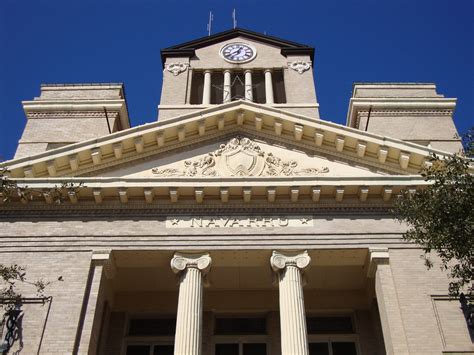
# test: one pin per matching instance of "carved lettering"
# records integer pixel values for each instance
(196, 222)
(203, 222)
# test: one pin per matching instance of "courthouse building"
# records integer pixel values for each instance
(238, 223)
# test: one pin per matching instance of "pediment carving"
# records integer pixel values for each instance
(240, 156)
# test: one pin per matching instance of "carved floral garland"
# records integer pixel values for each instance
(206, 165)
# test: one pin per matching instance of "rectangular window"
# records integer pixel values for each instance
(241, 349)
(240, 326)
(258, 83)
(279, 94)
(237, 86)
(197, 86)
(333, 348)
(329, 325)
(150, 350)
(152, 327)
(217, 87)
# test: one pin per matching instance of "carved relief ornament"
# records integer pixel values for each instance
(201, 262)
(240, 156)
(279, 261)
(177, 68)
(299, 65)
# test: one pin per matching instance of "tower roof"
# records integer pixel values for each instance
(187, 49)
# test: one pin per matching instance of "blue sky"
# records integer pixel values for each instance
(65, 41)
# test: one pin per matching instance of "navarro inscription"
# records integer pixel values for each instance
(239, 222)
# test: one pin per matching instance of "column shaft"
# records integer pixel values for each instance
(227, 88)
(248, 85)
(294, 339)
(189, 318)
(268, 87)
(294, 336)
(206, 94)
(188, 336)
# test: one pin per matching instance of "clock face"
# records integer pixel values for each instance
(238, 52)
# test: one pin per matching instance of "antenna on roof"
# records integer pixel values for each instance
(209, 25)
(234, 19)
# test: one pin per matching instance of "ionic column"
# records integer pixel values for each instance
(192, 268)
(248, 85)
(227, 87)
(206, 94)
(289, 267)
(268, 87)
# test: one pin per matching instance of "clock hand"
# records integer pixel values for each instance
(235, 50)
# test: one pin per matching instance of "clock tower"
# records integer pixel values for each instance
(238, 65)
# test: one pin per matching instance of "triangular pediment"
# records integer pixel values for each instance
(240, 155)
(234, 152)
(187, 49)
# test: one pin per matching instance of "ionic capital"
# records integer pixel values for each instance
(280, 261)
(201, 262)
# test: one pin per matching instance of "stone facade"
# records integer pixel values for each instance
(245, 227)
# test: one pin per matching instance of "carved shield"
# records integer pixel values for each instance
(241, 162)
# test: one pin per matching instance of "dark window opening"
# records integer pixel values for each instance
(217, 87)
(197, 86)
(240, 326)
(247, 349)
(145, 349)
(152, 327)
(258, 83)
(237, 86)
(338, 348)
(279, 95)
(329, 325)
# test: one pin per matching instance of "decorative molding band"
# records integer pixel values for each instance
(279, 260)
(177, 68)
(71, 114)
(446, 112)
(299, 66)
(181, 261)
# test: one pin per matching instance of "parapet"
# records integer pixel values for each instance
(68, 113)
(412, 112)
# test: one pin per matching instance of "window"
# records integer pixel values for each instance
(152, 327)
(329, 325)
(331, 335)
(240, 336)
(150, 350)
(197, 87)
(333, 348)
(150, 336)
(233, 326)
(279, 94)
(237, 80)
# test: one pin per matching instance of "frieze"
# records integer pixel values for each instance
(240, 156)
(253, 221)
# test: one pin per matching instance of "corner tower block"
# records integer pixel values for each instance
(70, 113)
(411, 112)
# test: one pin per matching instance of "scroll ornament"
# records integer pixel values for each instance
(299, 65)
(279, 261)
(177, 68)
(240, 156)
